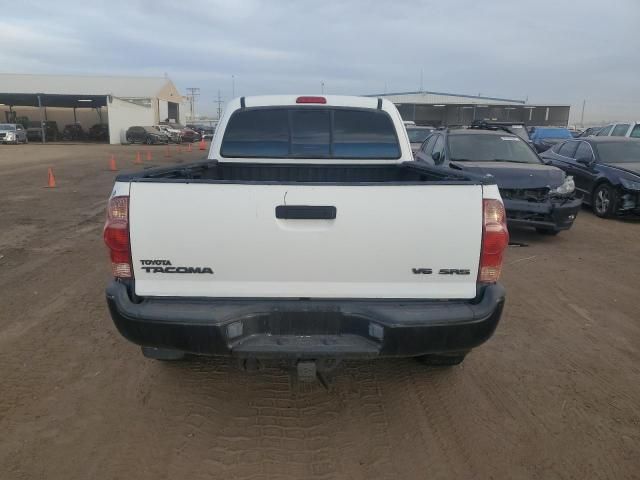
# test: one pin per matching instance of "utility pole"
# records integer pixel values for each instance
(322, 87)
(584, 103)
(219, 102)
(193, 93)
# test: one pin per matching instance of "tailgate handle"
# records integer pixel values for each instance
(306, 212)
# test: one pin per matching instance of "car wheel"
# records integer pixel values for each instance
(547, 231)
(605, 200)
(149, 141)
(448, 360)
(26, 140)
(162, 354)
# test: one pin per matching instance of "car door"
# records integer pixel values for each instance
(583, 171)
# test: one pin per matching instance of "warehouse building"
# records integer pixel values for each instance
(119, 102)
(445, 109)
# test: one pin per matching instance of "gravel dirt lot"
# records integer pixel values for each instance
(554, 394)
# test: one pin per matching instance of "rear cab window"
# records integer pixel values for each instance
(635, 133)
(310, 132)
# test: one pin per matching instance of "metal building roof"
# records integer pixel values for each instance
(123, 87)
(429, 97)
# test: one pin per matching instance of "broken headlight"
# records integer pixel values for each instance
(566, 188)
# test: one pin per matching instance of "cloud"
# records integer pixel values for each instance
(548, 51)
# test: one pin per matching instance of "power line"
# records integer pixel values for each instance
(219, 102)
(193, 93)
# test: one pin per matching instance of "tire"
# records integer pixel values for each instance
(149, 141)
(547, 231)
(128, 139)
(605, 200)
(442, 360)
(162, 354)
(26, 140)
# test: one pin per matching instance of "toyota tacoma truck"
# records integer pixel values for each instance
(309, 235)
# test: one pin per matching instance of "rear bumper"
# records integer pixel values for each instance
(289, 328)
(556, 214)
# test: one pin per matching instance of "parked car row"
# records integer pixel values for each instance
(544, 138)
(17, 133)
(543, 190)
(161, 133)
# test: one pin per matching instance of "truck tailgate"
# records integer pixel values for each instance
(225, 240)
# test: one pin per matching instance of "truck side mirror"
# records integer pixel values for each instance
(436, 157)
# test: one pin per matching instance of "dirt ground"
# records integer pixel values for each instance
(554, 394)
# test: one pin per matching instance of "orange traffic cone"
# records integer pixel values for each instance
(112, 163)
(202, 144)
(168, 152)
(148, 155)
(51, 183)
(188, 147)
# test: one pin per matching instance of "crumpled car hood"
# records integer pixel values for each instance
(515, 175)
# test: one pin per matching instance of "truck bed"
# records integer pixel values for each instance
(215, 172)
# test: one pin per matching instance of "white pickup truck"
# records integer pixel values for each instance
(309, 234)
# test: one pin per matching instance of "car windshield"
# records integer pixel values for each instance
(7, 126)
(619, 152)
(553, 133)
(418, 135)
(490, 148)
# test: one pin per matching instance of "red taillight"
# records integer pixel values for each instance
(311, 100)
(495, 238)
(116, 237)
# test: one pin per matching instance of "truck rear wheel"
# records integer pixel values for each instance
(448, 360)
(162, 354)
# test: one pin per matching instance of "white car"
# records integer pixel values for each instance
(309, 235)
(174, 134)
(13, 133)
(624, 129)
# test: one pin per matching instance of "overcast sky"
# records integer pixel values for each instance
(549, 51)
